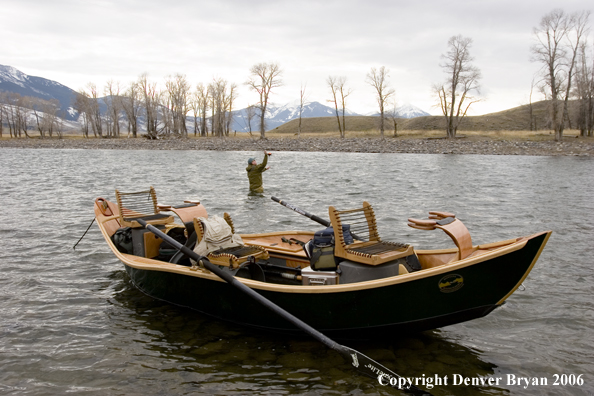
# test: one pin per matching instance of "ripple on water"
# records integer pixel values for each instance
(73, 322)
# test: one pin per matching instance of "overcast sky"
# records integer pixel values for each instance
(76, 42)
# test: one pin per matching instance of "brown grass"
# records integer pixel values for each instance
(402, 134)
(509, 124)
(435, 134)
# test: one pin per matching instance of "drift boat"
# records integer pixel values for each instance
(370, 288)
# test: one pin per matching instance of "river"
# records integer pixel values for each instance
(72, 322)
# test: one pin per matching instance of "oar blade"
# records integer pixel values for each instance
(384, 376)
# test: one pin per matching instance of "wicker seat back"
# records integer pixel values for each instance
(140, 205)
(362, 223)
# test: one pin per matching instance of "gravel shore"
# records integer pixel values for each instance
(569, 146)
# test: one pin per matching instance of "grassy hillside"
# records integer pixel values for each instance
(515, 119)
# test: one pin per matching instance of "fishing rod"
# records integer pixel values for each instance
(315, 218)
(302, 212)
(361, 362)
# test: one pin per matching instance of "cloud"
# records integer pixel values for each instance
(93, 41)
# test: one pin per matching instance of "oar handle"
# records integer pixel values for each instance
(302, 212)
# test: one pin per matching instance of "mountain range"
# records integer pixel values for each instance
(13, 80)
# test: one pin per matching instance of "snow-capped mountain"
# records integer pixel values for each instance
(407, 110)
(278, 115)
(13, 80)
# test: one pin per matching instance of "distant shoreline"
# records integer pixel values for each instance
(486, 146)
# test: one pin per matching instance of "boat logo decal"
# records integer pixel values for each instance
(355, 361)
(450, 283)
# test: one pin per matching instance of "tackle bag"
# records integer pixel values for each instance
(320, 250)
(122, 239)
(166, 250)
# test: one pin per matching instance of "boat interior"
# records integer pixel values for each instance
(281, 257)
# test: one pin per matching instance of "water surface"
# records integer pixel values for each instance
(73, 322)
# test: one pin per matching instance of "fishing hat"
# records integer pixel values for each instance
(251, 160)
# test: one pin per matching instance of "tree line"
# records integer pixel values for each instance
(22, 114)
(165, 111)
(567, 70)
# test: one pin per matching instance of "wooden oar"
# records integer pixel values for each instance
(361, 362)
(311, 216)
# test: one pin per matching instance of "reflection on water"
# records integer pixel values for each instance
(253, 360)
(73, 322)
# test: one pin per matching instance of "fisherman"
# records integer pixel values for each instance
(254, 172)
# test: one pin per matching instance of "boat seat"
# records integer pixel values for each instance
(186, 212)
(232, 256)
(140, 205)
(362, 223)
(453, 227)
(235, 256)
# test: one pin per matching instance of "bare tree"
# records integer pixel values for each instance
(302, 100)
(194, 105)
(463, 78)
(7, 111)
(263, 78)
(45, 114)
(229, 102)
(81, 105)
(131, 104)
(533, 126)
(579, 31)
(202, 99)
(584, 92)
(178, 92)
(212, 106)
(393, 116)
(558, 39)
(35, 105)
(113, 104)
(339, 95)
(332, 84)
(151, 103)
(2, 101)
(218, 98)
(23, 104)
(250, 113)
(16, 111)
(51, 122)
(90, 106)
(378, 79)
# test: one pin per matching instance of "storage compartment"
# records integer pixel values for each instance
(145, 243)
(318, 278)
(351, 272)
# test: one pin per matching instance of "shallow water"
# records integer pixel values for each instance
(73, 322)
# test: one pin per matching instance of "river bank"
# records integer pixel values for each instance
(485, 146)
